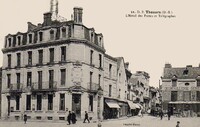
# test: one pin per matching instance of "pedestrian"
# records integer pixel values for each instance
(86, 117)
(69, 118)
(25, 118)
(73, 117)
(169, 114)
(161, 114)
(177, 125)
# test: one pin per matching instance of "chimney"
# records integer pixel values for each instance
(47, 19)
(188, 66)
(78, 11)
(126, 65)
(167, 65)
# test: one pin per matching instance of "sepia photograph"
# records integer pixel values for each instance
(75, 63)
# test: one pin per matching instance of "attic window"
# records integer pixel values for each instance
(9, 42)
(64, 32)
(19, 40)
(52, 34)
(185, 72)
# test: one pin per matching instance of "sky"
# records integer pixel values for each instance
(146, 43)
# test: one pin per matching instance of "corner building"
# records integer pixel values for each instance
(181, 90)
(53, 68)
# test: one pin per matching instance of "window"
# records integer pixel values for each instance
(100, 61)
(91, 73)
(63, 53)
(51, 78)
(29, 57)
(174, 82)
(39, 79)
(62, 102)
(39, 102)
(28, 102)
(19, 40)
(51, 59)
(198, 96)
(119, 77)
(186, 95)
(17, 102)
(100, 41)
(185, 72)
(69, 32)
(29, 78)
(99, 79)
(110, 70)
(9, 42)
(40, 36)
(51, 34)
(198, 82)
(30, 37)
(40, 58)
(18, 80)
(110, 90)
(18, 59)
(50, 102)
(92, 37)
(63, 76)
(90, 103)
(8, 80)
(174, 96)
(64, 32)
(187, 84)
(9, 60)
(91, 56)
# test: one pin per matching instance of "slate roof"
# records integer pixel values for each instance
(181, 73)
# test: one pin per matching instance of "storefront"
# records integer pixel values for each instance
(111, 109)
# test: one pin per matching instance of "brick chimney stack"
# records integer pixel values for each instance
(47, 19)
(78, 12)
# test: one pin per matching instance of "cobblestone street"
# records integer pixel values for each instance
(146, 121)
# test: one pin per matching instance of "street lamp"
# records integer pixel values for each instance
(100, 94)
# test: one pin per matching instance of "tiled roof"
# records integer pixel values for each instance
(181, 73)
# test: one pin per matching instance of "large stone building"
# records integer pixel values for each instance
(181, 90)
(56, 67)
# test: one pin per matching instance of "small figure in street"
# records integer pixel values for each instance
(161, 114)
(169, 114)
(73, 117)
(25, 118)
(86, 117)
(69, 118)
(177, 125)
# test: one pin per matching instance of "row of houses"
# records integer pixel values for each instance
(61, 66)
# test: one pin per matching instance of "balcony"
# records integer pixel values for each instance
(93, 87)
(16, 88)
(44, 86)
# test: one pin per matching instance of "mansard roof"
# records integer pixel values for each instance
(181, 73)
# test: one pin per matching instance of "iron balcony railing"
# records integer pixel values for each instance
(93, 87)
(16, 87)
(44, 86)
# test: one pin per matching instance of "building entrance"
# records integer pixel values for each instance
(76, 104)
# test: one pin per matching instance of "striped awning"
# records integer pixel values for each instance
(112, 105)
(132, 105)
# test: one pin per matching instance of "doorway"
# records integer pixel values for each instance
(76, 104)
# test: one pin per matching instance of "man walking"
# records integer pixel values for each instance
(73, 117)
(86, 117)
(69, 117)
(161, 114)
(25, 118)
(169, 114)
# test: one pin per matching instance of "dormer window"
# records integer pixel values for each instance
(100, 41)
(30, 38)
(185, 72)
(40, 36)
(51, 34)
(92, 36)
(63, 32)
(9, 42)
(174, 81)
(19, 40)
(187, 84)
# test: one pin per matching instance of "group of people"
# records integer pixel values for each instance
(71, 118)
(161, 114)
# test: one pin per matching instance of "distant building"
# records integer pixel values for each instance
(155, 102)
(140, 81)
(181, 90)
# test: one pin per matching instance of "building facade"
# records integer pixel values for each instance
(181, 90)
(51, 69)
(61, 66)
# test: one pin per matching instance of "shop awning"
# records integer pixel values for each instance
(184, 102)
(112, 105)
(132, 105)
